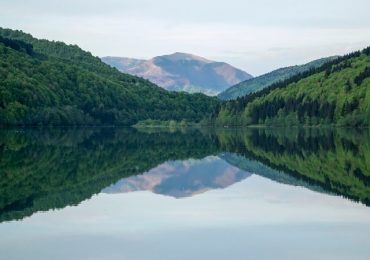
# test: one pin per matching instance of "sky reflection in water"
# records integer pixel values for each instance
(196, 209)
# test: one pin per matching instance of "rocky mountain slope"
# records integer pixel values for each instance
(182, 72)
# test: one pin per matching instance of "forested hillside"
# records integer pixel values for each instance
(337, 93)
(51, 83)
(258, 83)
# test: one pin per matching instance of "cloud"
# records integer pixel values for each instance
(256, 36)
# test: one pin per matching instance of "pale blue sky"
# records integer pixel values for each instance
(257, 35)
(253, 219)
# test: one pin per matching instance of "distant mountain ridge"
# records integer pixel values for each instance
(265, 80)
(182, 72)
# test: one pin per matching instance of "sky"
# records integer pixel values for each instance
(253, 219)
(256, 36)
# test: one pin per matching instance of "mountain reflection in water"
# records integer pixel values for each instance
(183, 178)
(53, 168)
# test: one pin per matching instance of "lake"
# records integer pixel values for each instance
(121, 193)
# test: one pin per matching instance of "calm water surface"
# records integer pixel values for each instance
(111, 193)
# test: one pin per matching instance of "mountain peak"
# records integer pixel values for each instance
(181, 71)
(181, 56)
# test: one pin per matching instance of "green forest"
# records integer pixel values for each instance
(259, 83)
(336, 93)
(50, 83)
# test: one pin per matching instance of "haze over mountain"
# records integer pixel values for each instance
(182, 72)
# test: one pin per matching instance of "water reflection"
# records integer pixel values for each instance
(183, 178)
(48, 169)
(335, 161)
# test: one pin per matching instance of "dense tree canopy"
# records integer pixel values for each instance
(259, 83)
(51, 83)
(337, 93)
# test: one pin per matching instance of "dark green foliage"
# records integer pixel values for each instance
(51, 83)
(362, 76)
(348, 86)
(258, 83)
(336, 93)
(17, 45)
(341, 66)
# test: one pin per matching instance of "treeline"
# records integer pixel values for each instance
(362, 76)
(335, 93)
(51, 83)
(17, 45)
(259, 83)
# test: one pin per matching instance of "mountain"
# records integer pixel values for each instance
(337, 93)
(182, 72)
(181, 179)
(122, 64)
(258, 83)
(50, 83)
